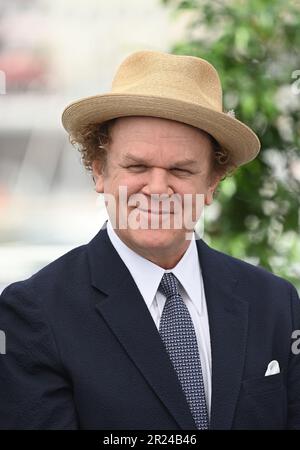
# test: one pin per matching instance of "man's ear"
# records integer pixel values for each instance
(211, 189)
(97, 169)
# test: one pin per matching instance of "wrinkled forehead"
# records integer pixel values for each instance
(148, 135)
(163, 151)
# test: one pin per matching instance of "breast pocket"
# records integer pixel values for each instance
(263, 384)
(262, 403)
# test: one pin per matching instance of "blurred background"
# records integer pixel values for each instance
(54, 52)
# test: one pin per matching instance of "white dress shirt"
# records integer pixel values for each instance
(147, 277)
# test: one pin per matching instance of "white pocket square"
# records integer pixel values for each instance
(273, 368)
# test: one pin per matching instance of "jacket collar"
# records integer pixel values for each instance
(147, 275)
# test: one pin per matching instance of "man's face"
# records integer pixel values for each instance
(151, 156)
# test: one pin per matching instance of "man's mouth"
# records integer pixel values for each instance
(154, 211)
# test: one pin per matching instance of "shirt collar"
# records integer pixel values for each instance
(148, 275)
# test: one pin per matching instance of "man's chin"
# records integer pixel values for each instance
(156, 239)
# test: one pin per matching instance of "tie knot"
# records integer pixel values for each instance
(169, 285)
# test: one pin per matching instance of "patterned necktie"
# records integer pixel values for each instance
(178, 335)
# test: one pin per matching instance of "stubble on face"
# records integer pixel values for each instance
(152, 156)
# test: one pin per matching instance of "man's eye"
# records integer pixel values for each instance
(181, 171)
(136, 167)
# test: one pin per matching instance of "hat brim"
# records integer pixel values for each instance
(235, 136)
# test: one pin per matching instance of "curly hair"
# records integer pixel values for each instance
(92, 141)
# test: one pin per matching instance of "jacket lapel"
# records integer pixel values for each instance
(128, 317)
(228, 322)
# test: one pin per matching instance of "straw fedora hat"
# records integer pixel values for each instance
(181, 88)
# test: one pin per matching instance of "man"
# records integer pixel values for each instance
(146, 326)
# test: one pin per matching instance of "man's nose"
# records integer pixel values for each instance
(157, 182)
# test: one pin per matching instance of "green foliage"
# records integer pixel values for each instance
(255, 46)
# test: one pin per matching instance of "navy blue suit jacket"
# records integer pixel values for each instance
(83, 350)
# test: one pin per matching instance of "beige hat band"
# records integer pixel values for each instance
(175, 86)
